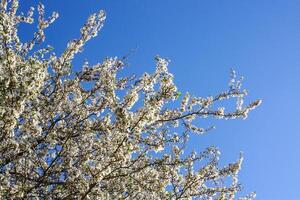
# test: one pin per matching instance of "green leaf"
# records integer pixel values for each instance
(178, 94)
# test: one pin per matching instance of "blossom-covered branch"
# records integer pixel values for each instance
(92, 134)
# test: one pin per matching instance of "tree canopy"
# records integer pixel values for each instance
(95, 134)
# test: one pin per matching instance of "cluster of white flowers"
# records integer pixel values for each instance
(94, 135)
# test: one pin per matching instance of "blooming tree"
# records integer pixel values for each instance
(93, 134)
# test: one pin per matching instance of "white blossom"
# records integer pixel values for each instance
(92, 134)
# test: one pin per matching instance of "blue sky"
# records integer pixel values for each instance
(204, 39)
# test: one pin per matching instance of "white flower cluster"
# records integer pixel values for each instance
(94, 135)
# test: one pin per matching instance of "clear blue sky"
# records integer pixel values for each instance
(204, 39)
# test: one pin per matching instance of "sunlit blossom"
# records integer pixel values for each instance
(92, 134)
